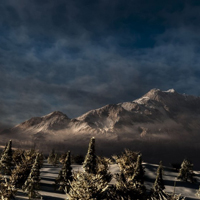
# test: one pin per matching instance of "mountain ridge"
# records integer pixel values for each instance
(163, 125)
(156, 114)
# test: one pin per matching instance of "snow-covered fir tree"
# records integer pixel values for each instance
(22, 170)
(65, 175)
(129, 182)
(138, 175)
(159, 183)
(127, 162)
(186, 171)
(32, 182)
(93, 183)
(55, 160)
(158, 192)
(7, 190)
(6, 159)
(51, 157)
(90, 162)
(103, 168)
(88, 186)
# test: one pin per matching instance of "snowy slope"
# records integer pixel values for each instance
(49, 173)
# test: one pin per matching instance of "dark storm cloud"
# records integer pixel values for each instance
(74, 56)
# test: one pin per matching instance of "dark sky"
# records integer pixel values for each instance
(77, 55)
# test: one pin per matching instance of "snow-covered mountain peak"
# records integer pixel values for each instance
(159, 95)
(156, 91)
(171, 90)
(53, 120)
(55, 114)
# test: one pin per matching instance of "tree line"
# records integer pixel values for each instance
(21, 169)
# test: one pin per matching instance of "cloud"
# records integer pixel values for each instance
(79, 55)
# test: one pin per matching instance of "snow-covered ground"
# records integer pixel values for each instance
(185, 188)
(49, 173)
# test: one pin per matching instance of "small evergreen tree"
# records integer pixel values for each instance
(6, 159)
(7, 191)
(127, 162)
(162, 195)
(51, 157)
(128, 189)
(186, 171)
(30, 155)
(103, 169)
(63, 157)
(159, 183)
(90, 162)
(93, 182)
(65, 174)
(40, 160)
(22, 170)
(20, 174)
(158, 191)
(138, 175)
(32, 182)
(129, 184)
(18, 156)
(88, 186)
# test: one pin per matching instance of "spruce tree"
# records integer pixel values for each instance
(129, 183)
(103, 168)
(159, 183)
(6, 159)
(127, 162)
(18, 155)
(51, 157)
(87, 186)
(20, 174)
(157, 191)
(65, 174)
(22, 170)
(186, 171)
(90, 162)
(40, 160)
(32, 182)
(7, 190)
(55, 160)
(138, 175)
(93, 182)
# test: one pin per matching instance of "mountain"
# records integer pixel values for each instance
(54, 120)
(157, 117)
(154, 113)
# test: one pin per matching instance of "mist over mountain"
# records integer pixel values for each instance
(158, 121)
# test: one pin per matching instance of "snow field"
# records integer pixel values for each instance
(49, 173)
